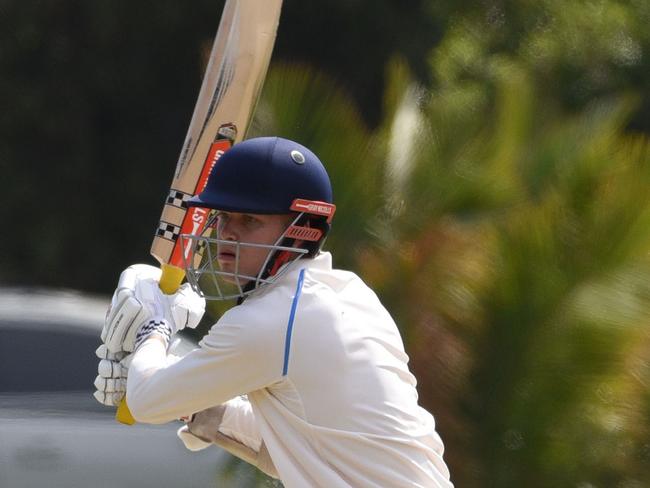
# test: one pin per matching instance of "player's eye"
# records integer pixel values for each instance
(221, 218)
(250, 221)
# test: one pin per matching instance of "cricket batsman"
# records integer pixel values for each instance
(306, 378)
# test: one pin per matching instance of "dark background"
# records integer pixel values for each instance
(97, 97)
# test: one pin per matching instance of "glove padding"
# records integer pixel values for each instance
(138, 302)
(113, 371)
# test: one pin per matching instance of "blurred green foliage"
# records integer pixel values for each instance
(492, 182)
(510, 237)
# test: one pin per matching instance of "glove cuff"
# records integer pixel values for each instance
(153, 326)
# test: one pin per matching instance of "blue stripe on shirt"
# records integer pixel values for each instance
(292, 316)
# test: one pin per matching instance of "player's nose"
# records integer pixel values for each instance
(228, 232)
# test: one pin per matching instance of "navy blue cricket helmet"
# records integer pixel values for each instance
(265, 175)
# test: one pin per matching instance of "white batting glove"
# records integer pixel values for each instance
(139, 309)
(111, 381)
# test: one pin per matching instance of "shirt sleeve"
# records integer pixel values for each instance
(232, 427)
(231, 360)
(234, 419)
(239, 423)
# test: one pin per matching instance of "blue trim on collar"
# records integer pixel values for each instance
(292, 316)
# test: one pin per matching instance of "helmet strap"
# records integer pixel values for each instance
(281, 259)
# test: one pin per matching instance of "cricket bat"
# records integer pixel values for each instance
(231, 85)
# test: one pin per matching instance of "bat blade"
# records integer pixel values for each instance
(231, 85)
(234, 77)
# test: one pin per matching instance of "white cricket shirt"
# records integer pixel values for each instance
(325, 372)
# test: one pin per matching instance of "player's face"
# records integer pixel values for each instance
(247, 228)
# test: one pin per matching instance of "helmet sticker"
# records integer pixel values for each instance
(314, 208)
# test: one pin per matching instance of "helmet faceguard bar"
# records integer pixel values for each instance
(243, 284)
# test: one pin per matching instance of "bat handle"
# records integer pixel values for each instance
(171, 278)
(170, 281)
(123, 414)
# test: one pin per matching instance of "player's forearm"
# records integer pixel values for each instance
(147, 401)
(159, 392)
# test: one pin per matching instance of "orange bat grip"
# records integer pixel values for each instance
(170, 281)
